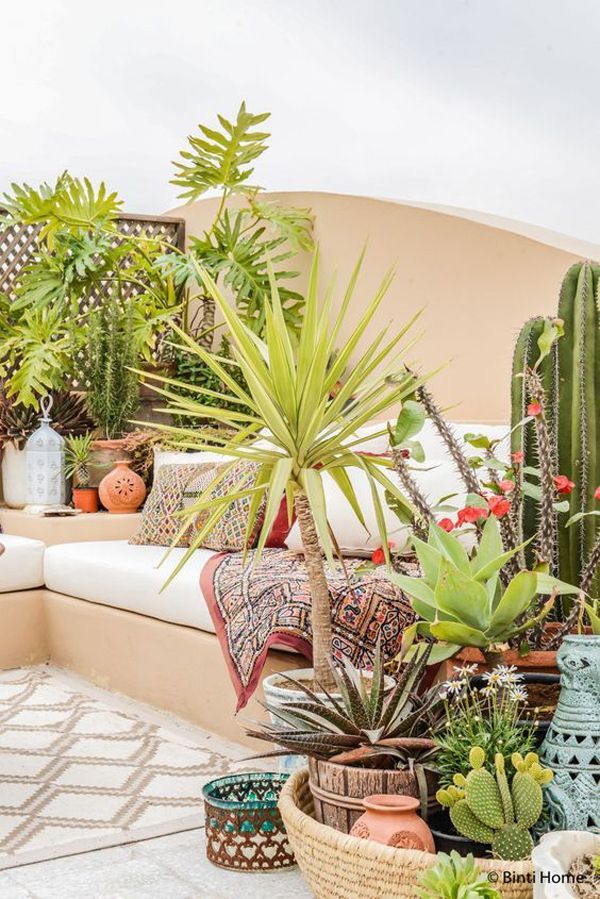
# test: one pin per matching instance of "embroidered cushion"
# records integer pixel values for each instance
(159, 525)
(229, 532)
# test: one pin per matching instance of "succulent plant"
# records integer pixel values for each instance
(485, 808)
(361, 720)
(461, 601)
(18, 422)
(77, 454)
(455, 877)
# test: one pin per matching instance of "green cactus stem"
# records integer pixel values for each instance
(570, 378)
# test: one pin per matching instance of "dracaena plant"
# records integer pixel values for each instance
(362, 720)
(305, 432)
(462, 601)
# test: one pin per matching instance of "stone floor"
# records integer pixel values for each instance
(172, 867)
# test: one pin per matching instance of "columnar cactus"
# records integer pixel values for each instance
(570, 375)
(485, 808)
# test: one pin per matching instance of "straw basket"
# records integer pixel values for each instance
(338, 866)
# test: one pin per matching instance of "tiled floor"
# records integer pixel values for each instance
(172, 867)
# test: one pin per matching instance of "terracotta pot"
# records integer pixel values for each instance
(338, 790)
(122, 490)
(393, 821)
(539, 661)
(85, 499)
(103, 455)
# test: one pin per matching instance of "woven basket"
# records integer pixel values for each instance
(338, 866)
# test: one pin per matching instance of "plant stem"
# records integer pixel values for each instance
(320, 599)
(445, 431)
(423, 516)
(545, 543)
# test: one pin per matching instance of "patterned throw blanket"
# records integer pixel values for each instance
(255, 608)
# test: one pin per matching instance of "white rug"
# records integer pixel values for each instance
(81, 769)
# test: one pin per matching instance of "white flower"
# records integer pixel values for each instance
(490, 690)
(454, 687)
(507, 674)
(492, 677)
(467, 670)
(518, 694)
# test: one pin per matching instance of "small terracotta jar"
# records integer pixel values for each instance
(122, 490)
(85, 499)
(393, 821)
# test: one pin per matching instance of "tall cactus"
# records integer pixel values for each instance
(570, 376)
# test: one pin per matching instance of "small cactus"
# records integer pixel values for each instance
(487, 808)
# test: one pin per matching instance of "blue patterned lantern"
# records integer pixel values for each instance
(45, 463)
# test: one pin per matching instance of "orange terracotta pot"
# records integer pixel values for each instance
(122, 490)
(393, 821)
(85, 499)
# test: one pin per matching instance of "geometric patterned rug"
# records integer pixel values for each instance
(82, 770)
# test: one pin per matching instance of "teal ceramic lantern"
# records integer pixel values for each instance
(572, 744)
(244, 830)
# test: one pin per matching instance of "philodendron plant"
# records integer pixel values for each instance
(462, 601)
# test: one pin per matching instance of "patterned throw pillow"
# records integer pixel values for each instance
(159, 525)
(229, 532)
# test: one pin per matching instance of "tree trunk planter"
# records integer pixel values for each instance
(338, 790)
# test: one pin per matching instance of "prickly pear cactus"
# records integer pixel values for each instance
(572, 745)
(487, 809)
(571, 378)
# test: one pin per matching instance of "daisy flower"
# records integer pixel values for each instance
(467, 670)
(518, 694)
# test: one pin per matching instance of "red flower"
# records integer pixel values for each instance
(446, 524)
(499, 506)
(597, 493)
(506, 486)
(562, 484)
(471, 514)
(534, 409)
(378, 556)
(405, 453)
(517, 457)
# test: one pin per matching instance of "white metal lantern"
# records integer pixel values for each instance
(45, 463)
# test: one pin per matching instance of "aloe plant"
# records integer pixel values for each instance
(361, 719)
(462, 601)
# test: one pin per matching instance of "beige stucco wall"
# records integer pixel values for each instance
(477, 283)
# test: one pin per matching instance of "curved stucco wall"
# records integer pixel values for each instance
(477, 284)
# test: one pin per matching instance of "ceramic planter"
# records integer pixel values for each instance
(85, 499)
(122, 490)
(552, 858)
(572, 744)
(13, 476)
(393, 821)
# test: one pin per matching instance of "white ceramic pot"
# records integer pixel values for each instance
(13, 476)
(552, 858)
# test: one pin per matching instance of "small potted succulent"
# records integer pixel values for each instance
(455, 877)
(361, 740)
(77, 457)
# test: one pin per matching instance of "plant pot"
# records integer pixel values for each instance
(447, 839)
(393, 821)
(553, 856)
(338, 790)
(244, 830)
(13, 476)
(85, 499)
(543, 691)
(536, 661)
(122, 491)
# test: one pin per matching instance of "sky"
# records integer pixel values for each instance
(488, 105)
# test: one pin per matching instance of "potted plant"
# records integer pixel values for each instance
(567, 865)
(77, 457)
(455, 877)
(294, 430)
(361, 741)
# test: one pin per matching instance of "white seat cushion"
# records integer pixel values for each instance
(21, 563)
(115, 573)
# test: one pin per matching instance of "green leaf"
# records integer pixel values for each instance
(459, 634)
(450, 547)
(490, 545)
(552, 330)
(515, 601)
(594, 618)
(548, 584)
(409, 422)
(460, 596)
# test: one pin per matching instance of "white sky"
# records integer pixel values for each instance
(490, 105)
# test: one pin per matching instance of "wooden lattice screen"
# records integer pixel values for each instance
(18, 243)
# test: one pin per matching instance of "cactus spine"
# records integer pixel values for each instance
(487, 808)
(570, 377)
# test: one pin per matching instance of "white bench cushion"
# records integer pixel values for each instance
(115, 573)
(21, 563)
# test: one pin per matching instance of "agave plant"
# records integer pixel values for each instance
(18, 422)
(361, 719)
(462, 601)
(290, 425)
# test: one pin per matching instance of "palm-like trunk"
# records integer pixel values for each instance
(320, 600)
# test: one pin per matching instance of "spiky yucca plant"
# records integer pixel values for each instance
(288, 422)
(363, 721)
